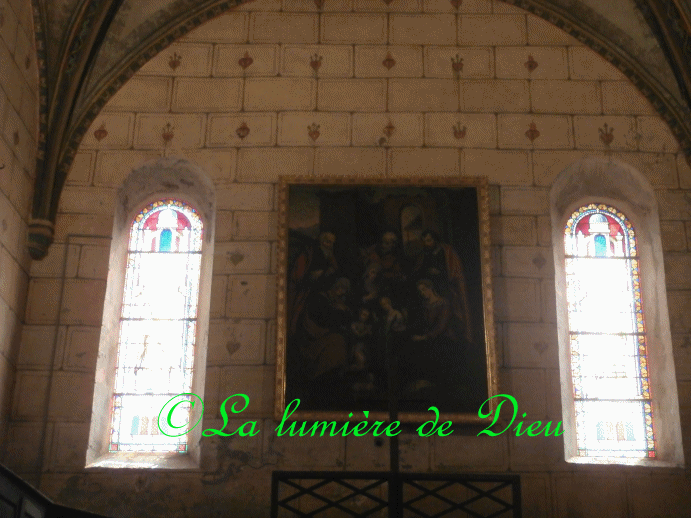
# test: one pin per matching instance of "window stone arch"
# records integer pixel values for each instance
(605, 180)
(163, 178)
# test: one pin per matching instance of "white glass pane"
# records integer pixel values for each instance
(607, 366)
(159, 286)
(600, 298)
(611, 429)
(136, 425)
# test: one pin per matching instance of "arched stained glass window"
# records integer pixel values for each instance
(158, 325)
(607, 335)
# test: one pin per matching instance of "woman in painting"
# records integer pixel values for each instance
(431, 362)
(313, 268)
(440, 264)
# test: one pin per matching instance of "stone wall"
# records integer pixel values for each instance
(18, 134)
(331, 68)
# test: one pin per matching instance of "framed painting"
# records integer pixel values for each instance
(384, 293)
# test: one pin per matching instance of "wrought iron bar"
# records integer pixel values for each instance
(316, 494)
(395, 493)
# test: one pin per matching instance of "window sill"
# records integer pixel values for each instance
(645, 462)
(139, 460)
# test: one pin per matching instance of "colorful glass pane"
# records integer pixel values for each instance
(607, 338)
(157, 325)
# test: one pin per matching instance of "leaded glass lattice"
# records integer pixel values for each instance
(157, 325)
(607, 337)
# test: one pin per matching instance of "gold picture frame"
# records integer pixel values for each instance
(376, 269)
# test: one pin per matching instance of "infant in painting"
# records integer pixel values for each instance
(395, 321)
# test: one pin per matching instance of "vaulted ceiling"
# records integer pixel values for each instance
(89, 48)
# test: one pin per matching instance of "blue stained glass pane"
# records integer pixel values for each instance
(166, 240)
(600, 245)
(629, 431)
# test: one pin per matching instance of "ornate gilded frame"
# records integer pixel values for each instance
(477, 184)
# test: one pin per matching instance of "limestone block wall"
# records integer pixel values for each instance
(485, 89)
(18, 135)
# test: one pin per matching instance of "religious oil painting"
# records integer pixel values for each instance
(385, 298)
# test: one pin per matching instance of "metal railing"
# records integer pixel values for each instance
(324, 494)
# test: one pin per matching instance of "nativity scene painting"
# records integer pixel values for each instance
(384, 283)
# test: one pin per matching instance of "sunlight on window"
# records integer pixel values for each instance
(157, 326)
(607, 335)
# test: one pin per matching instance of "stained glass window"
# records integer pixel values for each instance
(157, 326)
(607, 336)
